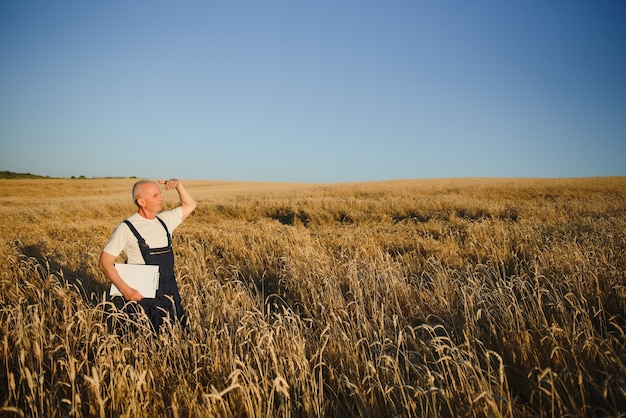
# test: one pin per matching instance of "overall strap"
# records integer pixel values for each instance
(135, 233)
(143, 247)
(169, 237)
(140, 239)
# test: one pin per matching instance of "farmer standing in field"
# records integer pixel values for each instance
(145, 238)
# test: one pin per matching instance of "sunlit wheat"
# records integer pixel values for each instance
(461, 297)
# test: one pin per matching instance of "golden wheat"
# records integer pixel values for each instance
(449, 297)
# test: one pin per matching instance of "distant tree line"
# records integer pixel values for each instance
(12, 175)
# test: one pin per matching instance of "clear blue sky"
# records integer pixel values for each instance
(313, 91)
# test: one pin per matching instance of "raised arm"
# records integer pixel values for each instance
(187, 202)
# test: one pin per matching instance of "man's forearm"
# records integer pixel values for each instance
(107, 265)
(188, 203)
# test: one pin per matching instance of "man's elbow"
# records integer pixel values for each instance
(104, 262)
(189, 207)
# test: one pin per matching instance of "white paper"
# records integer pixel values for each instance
(138, 276)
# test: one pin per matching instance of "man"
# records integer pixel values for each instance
(145, 238)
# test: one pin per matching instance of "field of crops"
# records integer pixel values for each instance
(417, 298)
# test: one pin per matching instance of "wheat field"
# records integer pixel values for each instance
(414, 298)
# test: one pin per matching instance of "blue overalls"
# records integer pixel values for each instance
(161, 306)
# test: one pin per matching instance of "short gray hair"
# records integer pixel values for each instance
(136, 186)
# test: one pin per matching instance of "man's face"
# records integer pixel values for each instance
(151, 199)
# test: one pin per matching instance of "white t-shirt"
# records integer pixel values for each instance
(151, 230)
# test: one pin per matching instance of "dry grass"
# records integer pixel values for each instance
(472, 297)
